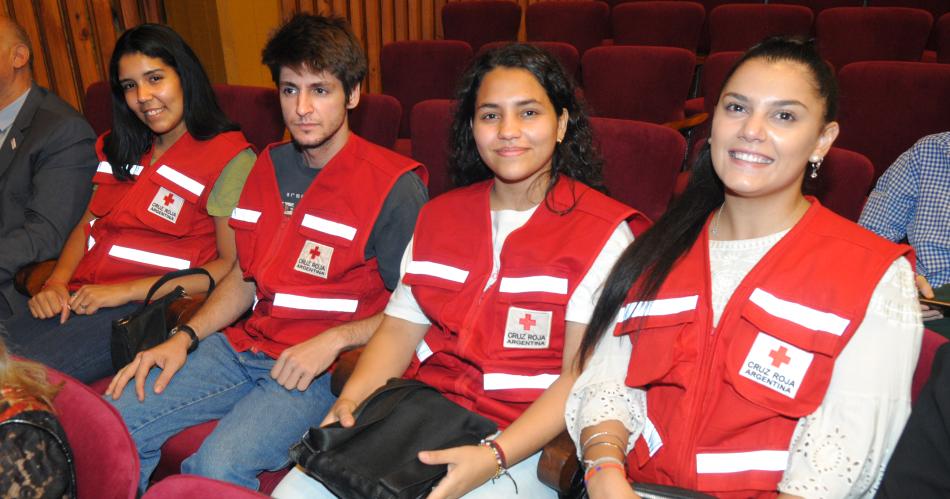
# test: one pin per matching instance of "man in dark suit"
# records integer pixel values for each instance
(47, 159)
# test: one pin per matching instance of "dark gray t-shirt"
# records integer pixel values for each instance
(394, 225)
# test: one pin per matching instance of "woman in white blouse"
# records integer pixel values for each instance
(752, 343)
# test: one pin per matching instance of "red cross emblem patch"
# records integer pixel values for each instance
(166, 204)
(527, 328)
(776, 365)
(314, 259)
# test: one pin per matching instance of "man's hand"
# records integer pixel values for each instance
(50, 302)
(469, 467)
(926, 312)
(342, 412)
(169, 356)
(298, 365)
(91, 297)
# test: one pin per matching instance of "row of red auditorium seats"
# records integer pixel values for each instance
(703, 25)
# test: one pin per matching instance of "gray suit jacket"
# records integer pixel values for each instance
(45, 182)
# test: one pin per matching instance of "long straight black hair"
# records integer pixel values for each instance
(649, 260)
(130, 137)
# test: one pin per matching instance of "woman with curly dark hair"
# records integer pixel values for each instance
(501, 275)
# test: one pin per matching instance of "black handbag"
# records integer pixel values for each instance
(377, 457)
(147, 327)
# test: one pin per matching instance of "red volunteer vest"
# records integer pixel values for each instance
(310, 268)
(159, 222)
(495, 351)
(723, 402)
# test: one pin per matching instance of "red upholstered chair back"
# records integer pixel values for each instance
(582, 24)
(930, 342)
(431, 120)
(740, 26)
(107, 465)
(850, 34)
(255, 109)
(659, 23)
(886, 106)
(565, 53)
(709, 5)
(641, 161)
(97, 106)
(638, 83)
(197, 487)
(817, 6)
(715, 69)
(478, 23)
(843, 182)
(943, 38)
(414, 71)
(376, 119)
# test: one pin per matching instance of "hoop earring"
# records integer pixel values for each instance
(815, 164)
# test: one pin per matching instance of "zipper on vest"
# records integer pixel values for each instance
(473, 314)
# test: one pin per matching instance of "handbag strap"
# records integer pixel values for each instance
(175, 275)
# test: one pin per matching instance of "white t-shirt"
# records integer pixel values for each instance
(580, 307)
(841, 449)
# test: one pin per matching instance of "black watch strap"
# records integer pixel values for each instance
(185, 328)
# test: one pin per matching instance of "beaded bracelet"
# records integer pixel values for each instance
(501, 462)
(600, 467)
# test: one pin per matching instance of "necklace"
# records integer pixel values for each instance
(714, 230)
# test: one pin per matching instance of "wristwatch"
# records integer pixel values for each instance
(185, 328)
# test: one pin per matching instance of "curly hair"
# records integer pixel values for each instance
(574, 157)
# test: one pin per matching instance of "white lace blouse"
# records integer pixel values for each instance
(841, 449)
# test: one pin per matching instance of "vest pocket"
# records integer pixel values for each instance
(165, 206)
(299, 302)
(517, 382)
(244, 221)
(659, 347)
(748, 468)
(779, 366)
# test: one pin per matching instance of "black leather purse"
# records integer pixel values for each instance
(376, 458)
(147, 326)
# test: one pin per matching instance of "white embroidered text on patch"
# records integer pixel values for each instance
(776, 365)
(529, 329)
(314, 259)
(166, 204)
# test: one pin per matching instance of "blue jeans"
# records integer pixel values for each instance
(299, 485)
(79, 348)
(259, 419)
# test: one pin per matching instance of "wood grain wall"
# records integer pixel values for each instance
(73, 39)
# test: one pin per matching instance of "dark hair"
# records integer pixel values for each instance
(574, 157)
(650, 258)
(319, 44)
(130, 137)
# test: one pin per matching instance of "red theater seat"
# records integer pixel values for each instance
(376, 119)
(817, 6)
(478, 23)
(414, 71)
(431, 120)
(638, 83)
(582, 24)
(196, 487)
(886, 106)
(660, 23)
(850, 34)
(943, 38)
(107, 465)
(641, 161)
(738, 27)
(843, 182)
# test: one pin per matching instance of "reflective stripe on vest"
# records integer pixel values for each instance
(664, 306)
(91, 241)
(423, 351)
(799, 314)
(502, 381)
(437, 270)
(318, 304)
(139, 256)
(329, 227)
(245, 215)
(106, 167)
(737, 462)
(651, 436)
(190, 184)
(531, 284)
